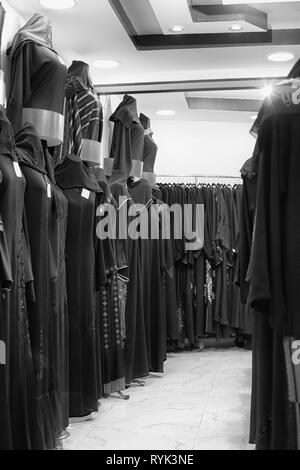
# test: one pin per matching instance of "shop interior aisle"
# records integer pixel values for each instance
(201, 403)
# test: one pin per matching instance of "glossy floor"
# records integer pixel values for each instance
(201, 402)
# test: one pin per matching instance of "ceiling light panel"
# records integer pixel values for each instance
(106, 64)
(236, 28)
(176, 29)
(58, 4)
(166, 112)
(281, 57)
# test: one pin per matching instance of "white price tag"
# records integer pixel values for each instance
(86, 194)
(49, 192)
(17, 169)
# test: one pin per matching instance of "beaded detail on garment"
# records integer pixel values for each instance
(122, 298)
(210, 296)
(117, 286)
(180, 315)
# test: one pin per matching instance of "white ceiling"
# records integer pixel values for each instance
(92, 31)
(174, 12)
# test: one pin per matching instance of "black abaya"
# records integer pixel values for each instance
(111, 309)
(151, 268)
(128, 144)
(6, 283)
(38, 207)
(19, 366)
(38, 79)
(59, 372)
(80, 188)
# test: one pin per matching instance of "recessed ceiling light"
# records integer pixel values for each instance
(166, 112)
(176, 29)
(281, 57)
(236, 28)
(254, 117)
(106, 64)
(58, 4)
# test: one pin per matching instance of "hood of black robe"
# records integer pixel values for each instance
(79, 78)
(145, 121)
(30, 149)
(126, 112)
(124, 117)
(38, 29)
(150, 154)
(73, 174)
(150, 147)
(7, 141)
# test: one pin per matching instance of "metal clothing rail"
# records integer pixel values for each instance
(198, 179)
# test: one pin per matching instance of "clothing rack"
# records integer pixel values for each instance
(198, 179)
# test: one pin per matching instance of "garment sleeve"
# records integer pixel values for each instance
(223, 229)
(121, 151)
(245, 240)
(167, 253)
(100, 266)
(101, 278)
(20, 79)
(266, 265)
(259, 267)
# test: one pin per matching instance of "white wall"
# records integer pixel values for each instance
(201, 148)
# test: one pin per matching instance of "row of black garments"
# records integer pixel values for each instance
(207, 299)
(81, 317)
(139, 260)
(270, 269)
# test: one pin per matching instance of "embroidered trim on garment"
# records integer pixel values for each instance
(122, 297)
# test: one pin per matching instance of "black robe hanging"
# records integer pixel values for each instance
(38, 208)
(59, 327)
(82, 111)
(151, 268)
(275, 274)
(38, 79)
(19, 363)
(6, 283)
(81, 188)
(168, 268)
(111, 305)
(128, 144)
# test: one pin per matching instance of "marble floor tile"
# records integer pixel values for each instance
(159, 437)
(77, 434)
(221, 443)
(201, 402)
(226, 422)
